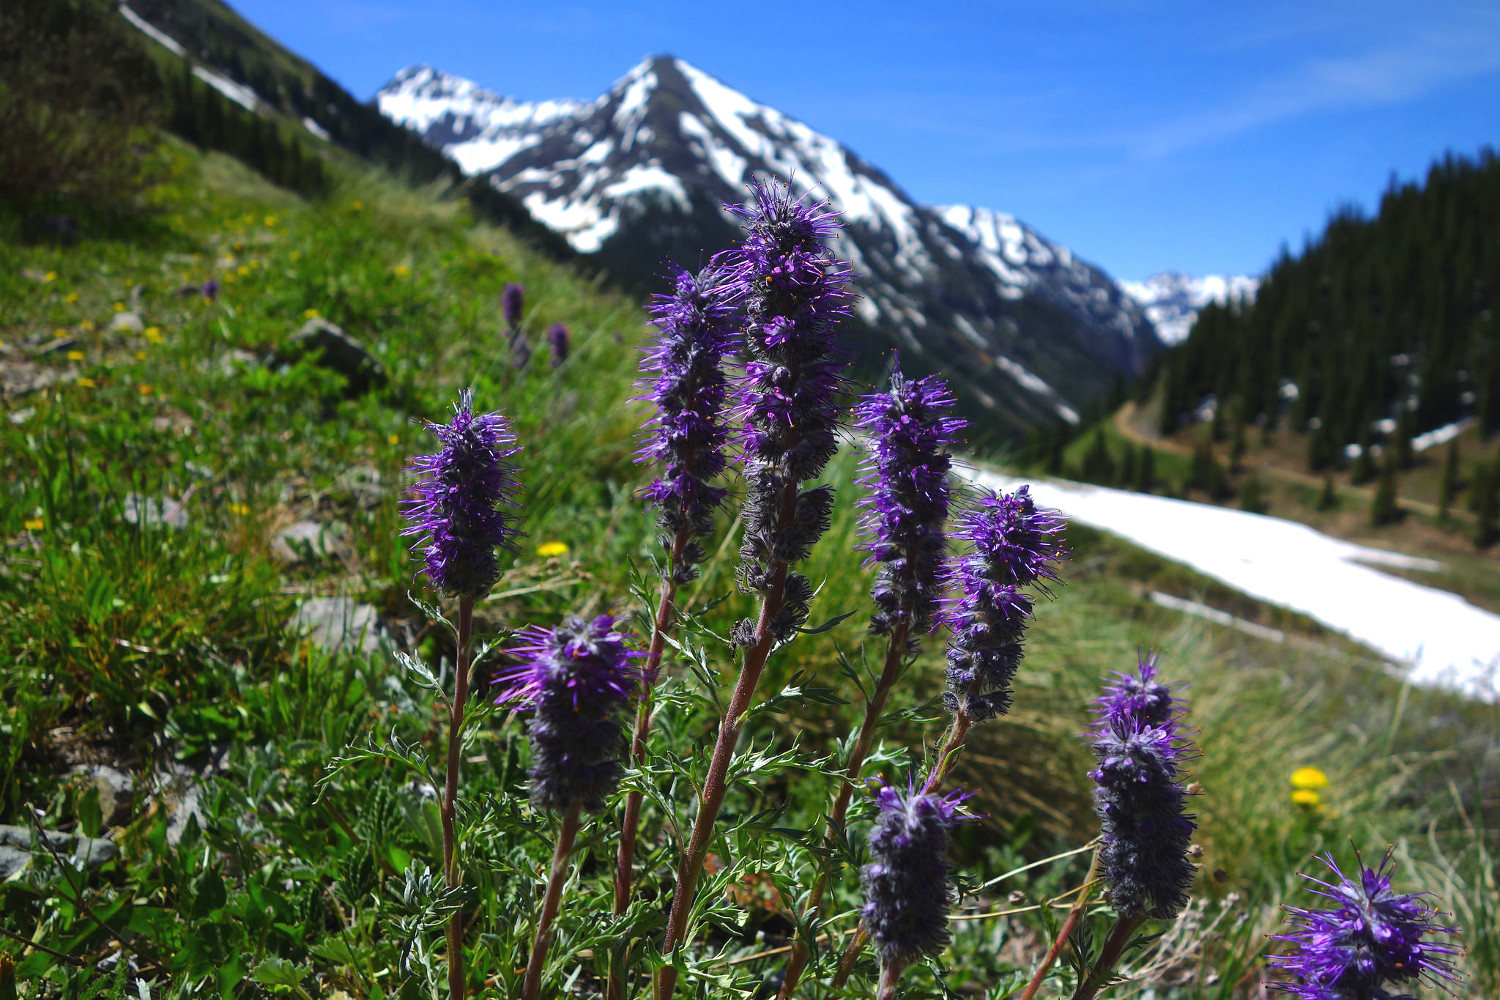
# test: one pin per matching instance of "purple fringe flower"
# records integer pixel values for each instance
(907, 504)
(794, 295)
(558, 337)
(510, 305)
(688, 433)
(1014, 546)
(1140, 797)
(1368, 944)
(907, 892)
(1140, 696)
(465, 499)
(577, 677)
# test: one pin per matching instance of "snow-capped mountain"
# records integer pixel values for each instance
(1172, 300)
(1024, 329)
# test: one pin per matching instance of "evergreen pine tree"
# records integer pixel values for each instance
(1252, 494)
(1402, 441)
(1329, 498)
(1384, 509)
(1201, 472)
(1363, 469)
(1482, 487)
(1145, 470)
(1098, 465)
(1448, 488)
(1236, 440)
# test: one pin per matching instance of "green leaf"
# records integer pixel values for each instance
(273, 971)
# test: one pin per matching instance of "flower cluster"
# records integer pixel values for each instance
(688, 433)
(464, 500)
(1368, 944)
(1140, 797)
(907, 506)
(793, 293)
(1014, 546)
(558, 337)
(907, 892)
(576, 676)
(511, 300)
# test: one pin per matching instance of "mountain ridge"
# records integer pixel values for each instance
(1029, 331)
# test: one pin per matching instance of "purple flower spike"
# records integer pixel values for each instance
(907, 505)
(794, 294)
(686, 382)
(558, 337)
(1139, 696)
(1015, 545)
(465, 496)
(1368, 944)
(907, 892)
(211, 289)
(577, 677)
(510, 305)
(1140, 797)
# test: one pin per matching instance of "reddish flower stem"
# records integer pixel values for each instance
(1109, 957)
(890, 975)
(711, 799)
(449, 810)
(1074, 915)
(543, 940)
(625, 860)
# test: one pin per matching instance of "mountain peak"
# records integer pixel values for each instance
(1024, 329)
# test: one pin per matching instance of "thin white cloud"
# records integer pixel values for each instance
(1428, 61)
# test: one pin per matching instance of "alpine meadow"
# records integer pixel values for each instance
(401, 599)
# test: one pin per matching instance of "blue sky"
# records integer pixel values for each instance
(1146, 136)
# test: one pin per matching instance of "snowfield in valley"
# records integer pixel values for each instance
(1436, 636)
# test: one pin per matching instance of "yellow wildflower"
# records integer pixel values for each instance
(140, 355)
(35, 524)
(71, 297)
(549, 549)
(119, 307)
(393, 439)
(144, 390)
(50, 276)
(87, 383)
(401, 270)
(1307, 797)
(309, 314)
(296, 255)
(271, 220)
(75, 355)
(240, 509)
(86, 325)
(358, 206)
(243, 269)
(1309, 778)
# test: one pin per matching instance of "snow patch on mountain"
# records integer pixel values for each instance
(1025, 327)
(1171, 301)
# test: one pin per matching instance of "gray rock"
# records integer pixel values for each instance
(363, 483)
(17, 848)
(154, 511)
(340, 352)
(339, 624)
(234, 361)
(127, 320)
(116, 790)
(301, 541)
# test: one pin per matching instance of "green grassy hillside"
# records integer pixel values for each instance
(151, 459)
